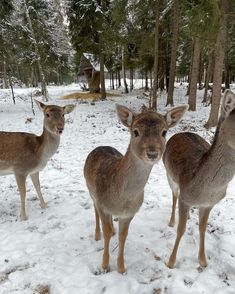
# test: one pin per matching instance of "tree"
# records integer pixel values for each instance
(6, 9)
(194, 74)
(36, 50)
(175, 32)
(208, 75)
(218, 66)
(89, 28)
(156, 53)
(18, 48)
(203, 19)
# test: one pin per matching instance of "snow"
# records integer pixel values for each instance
(56, 246)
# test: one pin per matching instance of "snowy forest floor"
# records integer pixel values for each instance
(55, 248)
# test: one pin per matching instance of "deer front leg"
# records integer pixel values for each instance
(107, 233)
(97, 225)
(183, 216)
(203, 219)
(123, 232)
(20, 180)
(36, 183)
(174, 202)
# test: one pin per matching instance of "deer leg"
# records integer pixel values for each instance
(174, 202)
(123, 232)
(107, 232)
(20, 180)
(183, 216)
(203, 219)
(97, 225)
(113, 229)
(36, 183)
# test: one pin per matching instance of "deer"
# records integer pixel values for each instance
(198, 173)
(116, 182)
(26, 154)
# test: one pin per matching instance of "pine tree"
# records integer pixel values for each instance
(174, 43)
(218, 66)
(89, 26)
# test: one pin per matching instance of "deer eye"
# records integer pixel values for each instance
(48, 115)
(136, 133)
(164, 133)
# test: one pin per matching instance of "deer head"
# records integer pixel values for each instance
(54, 116)
(148, 130)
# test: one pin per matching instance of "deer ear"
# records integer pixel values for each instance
(69, 108)
(40, 104)
(175, 114)
(228, 103)
(144, 108)
(125, 115)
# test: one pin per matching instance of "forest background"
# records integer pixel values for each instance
(159, 41)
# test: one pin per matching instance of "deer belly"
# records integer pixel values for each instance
(124, 209)
(5, 169)
(37, 168)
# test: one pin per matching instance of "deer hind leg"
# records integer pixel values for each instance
(174, 202)
(97, 225)
(113, 229)
(203, 219)
(123, 232)
(183, 216)
(20, 180)
(107, 233)
(175, 193)
(36, 183)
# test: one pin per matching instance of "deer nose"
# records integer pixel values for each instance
(60, 130)
(152, 155)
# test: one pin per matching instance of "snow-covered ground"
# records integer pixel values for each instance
(55, 249)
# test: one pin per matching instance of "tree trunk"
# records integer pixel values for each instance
(119, 79)
(194, 75)
(5, 82)
(131, 79)
(36, 49)
(156, 54)
(161, 72)
(175, 33)
(200, 72)
(12, 90)
(102, 80)
(124, 71)
(190, 69)
(146, 87)
(218, 67)
(226, 70)
(112, 81)
(208, 77)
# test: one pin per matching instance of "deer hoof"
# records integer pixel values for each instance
(43, 205)
(122, 270)
(171, 223)
(171, 263)
(106, 269)
(23, 217)
(98, 236)
(203, 262)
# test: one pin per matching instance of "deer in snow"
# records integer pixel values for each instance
(24, 154)
(116, 182)
(198, 173)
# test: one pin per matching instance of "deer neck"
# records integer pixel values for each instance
(218, 165)
(49, 144)
(133, 172)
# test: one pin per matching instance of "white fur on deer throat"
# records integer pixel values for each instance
(50, 148)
